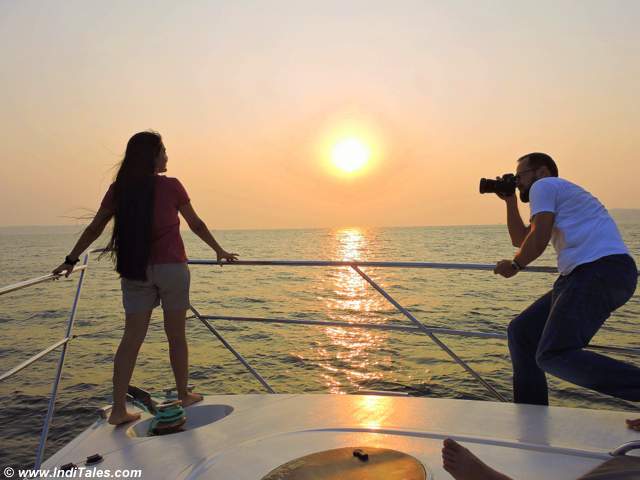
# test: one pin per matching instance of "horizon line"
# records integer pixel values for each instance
(334, 227)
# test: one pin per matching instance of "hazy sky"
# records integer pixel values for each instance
(249, 96)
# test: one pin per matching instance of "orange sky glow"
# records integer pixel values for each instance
(317, 115)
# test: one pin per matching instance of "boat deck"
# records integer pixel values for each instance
(244, 437)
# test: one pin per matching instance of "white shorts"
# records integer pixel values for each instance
(166, 282)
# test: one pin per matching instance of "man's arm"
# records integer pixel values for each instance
(537, 239)
(517, 229)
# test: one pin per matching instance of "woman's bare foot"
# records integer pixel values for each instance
(464, 465)
(634, 424)
(118, 418)
(190, 399)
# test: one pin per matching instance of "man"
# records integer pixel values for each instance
(597, 276)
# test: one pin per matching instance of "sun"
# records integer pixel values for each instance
(350, 155)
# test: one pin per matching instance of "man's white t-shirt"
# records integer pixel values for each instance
(583, 230)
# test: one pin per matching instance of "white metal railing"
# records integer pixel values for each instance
(62, 343)
(418, 327)
(35, 281)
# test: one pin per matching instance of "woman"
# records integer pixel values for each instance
(150, 258)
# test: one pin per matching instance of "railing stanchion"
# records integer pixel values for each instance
(437, 341)
(54, 389)
(232, 350)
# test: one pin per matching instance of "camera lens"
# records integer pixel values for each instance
(487, 185)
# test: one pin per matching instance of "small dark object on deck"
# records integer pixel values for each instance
(361, 454)
(93, 459)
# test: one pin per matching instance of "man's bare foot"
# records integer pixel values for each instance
(464, 465)
(118, 418)
(190, 399)
(634, 424)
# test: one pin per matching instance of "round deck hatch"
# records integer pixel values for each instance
(352, 463)
(197, 416)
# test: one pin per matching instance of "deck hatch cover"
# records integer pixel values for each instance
(352, 463)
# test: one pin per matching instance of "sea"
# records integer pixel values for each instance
(292, 358)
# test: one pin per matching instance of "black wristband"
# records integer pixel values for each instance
(517, 265)
(68, 261)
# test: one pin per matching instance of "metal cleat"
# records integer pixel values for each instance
(143, 397)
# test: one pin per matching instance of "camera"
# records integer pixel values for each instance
(505, 185)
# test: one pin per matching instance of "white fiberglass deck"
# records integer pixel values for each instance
(265, 431)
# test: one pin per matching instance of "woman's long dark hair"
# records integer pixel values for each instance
(134, 194)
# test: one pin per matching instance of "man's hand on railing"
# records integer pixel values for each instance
(505, 268)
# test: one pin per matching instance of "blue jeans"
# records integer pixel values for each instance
(550, 335)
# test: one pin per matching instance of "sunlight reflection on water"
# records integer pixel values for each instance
(353, 348)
